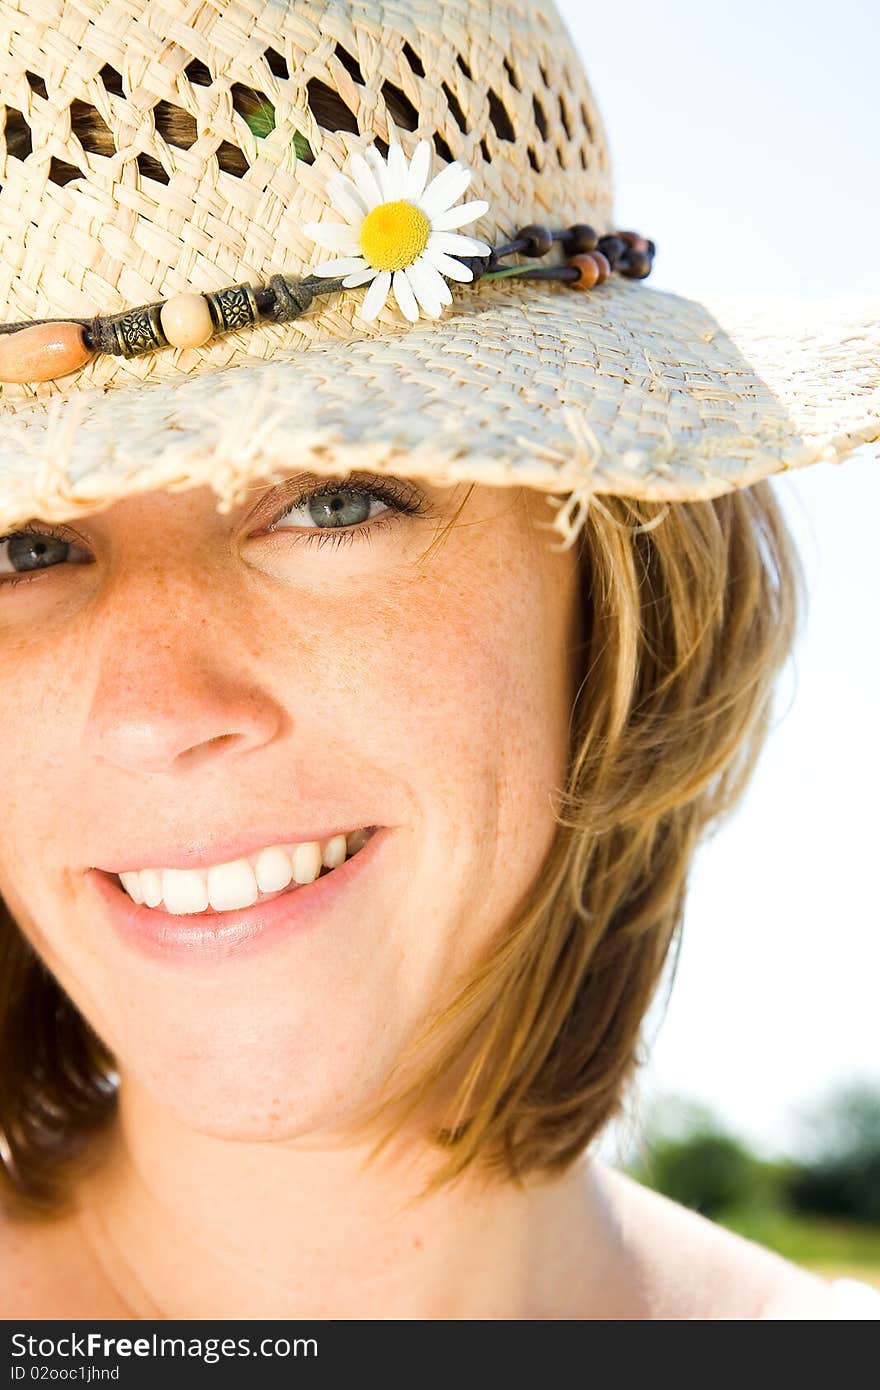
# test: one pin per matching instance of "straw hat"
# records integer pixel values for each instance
(164, 148)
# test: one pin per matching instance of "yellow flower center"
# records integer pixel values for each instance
(394, 235)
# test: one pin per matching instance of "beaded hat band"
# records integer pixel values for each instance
(232, 248)
(46, 349)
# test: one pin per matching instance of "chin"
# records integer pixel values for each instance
(255, 1114)
(285, 1123)
(265, 1091)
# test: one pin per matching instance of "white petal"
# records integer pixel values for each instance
(345, 266)
(338, 180)
(431, 279)
(419, 168)
(459, 216)
(381, 171)
(445, 189)
(447, 266)
(458, 245)
(403, 293)
(398, 171)
(374, 299)
(360, 277)
(366, 182)
(423, 288)
(335, 236)
(346, 200)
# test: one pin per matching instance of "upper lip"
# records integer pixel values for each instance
(203, 853)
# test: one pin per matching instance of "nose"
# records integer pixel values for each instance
(175, 690)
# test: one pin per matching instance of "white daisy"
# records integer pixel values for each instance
(397, 233)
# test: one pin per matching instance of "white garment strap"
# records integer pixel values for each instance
(855, 1299)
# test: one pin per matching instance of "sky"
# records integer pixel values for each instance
(743, 141)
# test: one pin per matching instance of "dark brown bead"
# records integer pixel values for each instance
(589, 271)
(478, 264)
(539, 239)
(636, 265)
(612, 248)
(633, 240)
(602, 263)
(580, 239)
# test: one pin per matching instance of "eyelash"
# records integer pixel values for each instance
(398, 504)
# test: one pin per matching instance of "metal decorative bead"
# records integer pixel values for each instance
(580, 239)
(589, 271)
(186, 320)
(137, 330)
(233, 307)
(538, 239)
(42, 352)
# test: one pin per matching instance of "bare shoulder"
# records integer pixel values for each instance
(690, 1268)
(46, 1271)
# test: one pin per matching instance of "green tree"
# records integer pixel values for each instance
(690, 1156)
(839, 1172)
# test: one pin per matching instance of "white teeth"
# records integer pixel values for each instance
(273, 869)
(239, 884)
(229, 885)
(131, 882)
(151, 886)
(307, 862)
(334, 851)
(183, 891)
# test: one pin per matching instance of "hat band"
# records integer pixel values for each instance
(44, 349)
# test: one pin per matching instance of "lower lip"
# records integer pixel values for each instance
(217, 936)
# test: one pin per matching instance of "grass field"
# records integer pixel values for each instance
(833, 1249)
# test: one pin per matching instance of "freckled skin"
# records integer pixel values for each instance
(192, 675)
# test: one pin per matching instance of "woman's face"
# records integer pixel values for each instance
(173, 677)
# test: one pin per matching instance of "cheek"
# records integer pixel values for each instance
(457, 683)
(39, 682)
(438, 695)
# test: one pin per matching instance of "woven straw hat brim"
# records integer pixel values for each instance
(624, 390)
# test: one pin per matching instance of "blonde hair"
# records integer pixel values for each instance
(690, 611)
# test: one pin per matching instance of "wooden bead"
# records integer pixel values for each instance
(636, 265)
(589, 272)
(612, 248)
(602, 263)
(634, 241)
(42, 352)
(580, 239)
(186, 320)
(539, 239)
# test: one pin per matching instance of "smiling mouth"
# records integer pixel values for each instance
(214, 937)
(159, 890)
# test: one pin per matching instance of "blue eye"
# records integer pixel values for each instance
(331, 507)
(344, 509)
(334, 512)
(33, 550)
